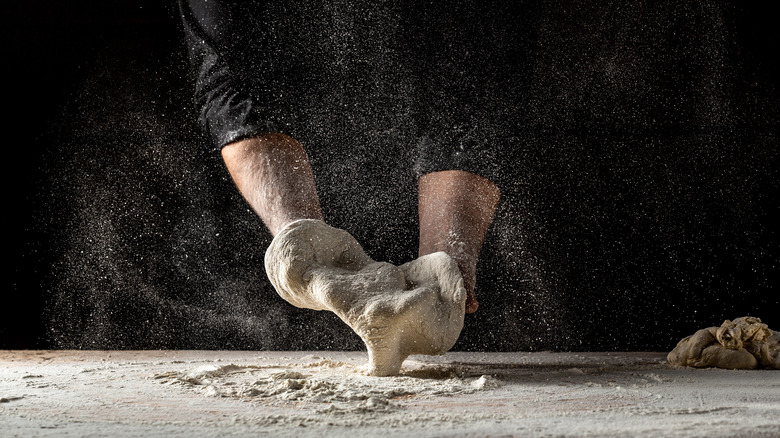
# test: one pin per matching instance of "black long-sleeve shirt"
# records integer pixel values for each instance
(440, 71)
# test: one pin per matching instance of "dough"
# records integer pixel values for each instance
(415, 308)
(745, 343)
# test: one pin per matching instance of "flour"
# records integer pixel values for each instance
(335, 386)
(745, 343)
(415, 308)
(306, 394)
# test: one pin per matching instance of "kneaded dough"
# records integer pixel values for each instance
(415, 308)
(745, 343)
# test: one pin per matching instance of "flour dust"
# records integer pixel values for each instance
(330, 385)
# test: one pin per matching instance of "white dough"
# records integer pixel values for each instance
(415, 308)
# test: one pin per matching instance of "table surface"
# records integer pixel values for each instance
(325, 393)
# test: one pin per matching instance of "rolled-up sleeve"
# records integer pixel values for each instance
(473, 61)
(220, 44)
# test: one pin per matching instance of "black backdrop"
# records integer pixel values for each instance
(125, 233)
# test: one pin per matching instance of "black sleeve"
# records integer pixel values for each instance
(222, 37)
(474, 61)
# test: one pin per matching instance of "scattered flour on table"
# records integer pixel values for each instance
(329, 386)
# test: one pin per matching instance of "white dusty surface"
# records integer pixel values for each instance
(317, 394)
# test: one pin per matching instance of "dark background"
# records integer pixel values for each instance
(126, 233)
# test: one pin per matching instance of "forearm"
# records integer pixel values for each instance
(273, 173)
(456, 209)
(455, 206)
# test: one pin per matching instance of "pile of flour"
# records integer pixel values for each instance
(336, 386)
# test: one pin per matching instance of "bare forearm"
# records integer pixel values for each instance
(273, 174)
(456, 209)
